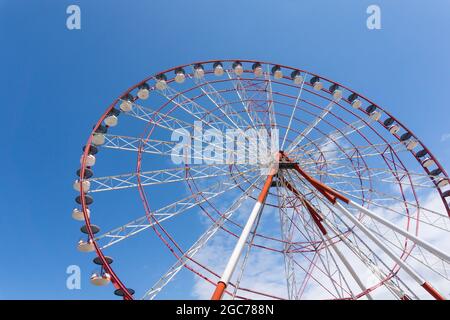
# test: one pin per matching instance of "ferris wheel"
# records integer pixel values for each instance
(350, 205)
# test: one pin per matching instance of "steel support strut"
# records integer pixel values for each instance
(332, 195)
(318, 220)
(232, 262)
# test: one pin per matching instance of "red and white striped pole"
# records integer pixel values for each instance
(232, 262)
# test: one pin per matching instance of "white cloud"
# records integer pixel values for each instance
(445, 137)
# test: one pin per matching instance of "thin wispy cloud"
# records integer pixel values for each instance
(445, 137)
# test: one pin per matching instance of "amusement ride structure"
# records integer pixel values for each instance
(352, 204)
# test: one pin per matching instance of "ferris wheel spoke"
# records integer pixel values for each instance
(347, 266)
(222, 104)
(318, 279)
(344, 152)
(388, 203)
(270, 101)
(391, 175)
(414, 275)
(382, 175)
(201, 242)
(325, 240)
(324, 237)
(418, 241)
(294, 108)
(361, 255)
(161, 120)
(288, 226)
(431, 248)
(403, 265)
(152, 146)
(328, 256)
(195, 110)
(369, 264)
(310, 127)
(289, 266)
(291, 262)
(374, 178)
(167, 212)
(333, 136)
(162, 176)
(246, 101)
(366, 231)
(203, 115)
(290, 222)
(427, 260)
(438, 220)
(171, 123)
(329, 161)
(227, 110)
(340, 290)
(360, 151)
(127, 143)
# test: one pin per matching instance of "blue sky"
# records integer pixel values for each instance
(55, 84)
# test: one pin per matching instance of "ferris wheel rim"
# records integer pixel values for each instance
(115, 279)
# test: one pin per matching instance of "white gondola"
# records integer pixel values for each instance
(199, 72)
(238, 69)
(428, 162)
(315, 83)
(356, 103)
(85, 246)
(318, 86)
(442, 182)
(278, 74)
(336, 92)
(411, 144)
(78, 215)
(376, 115)
(258, 71)
(98, 139)
(111, 120)
(297, 77)
(218, 70)
(180, 76)
(337, 95)
(394, 129)
(126, 106)
(100, 279)
(161, 84)
(143, 91)
(90, 160)
(86, 185)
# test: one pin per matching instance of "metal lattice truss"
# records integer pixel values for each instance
(169, 211)
(161, 176)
